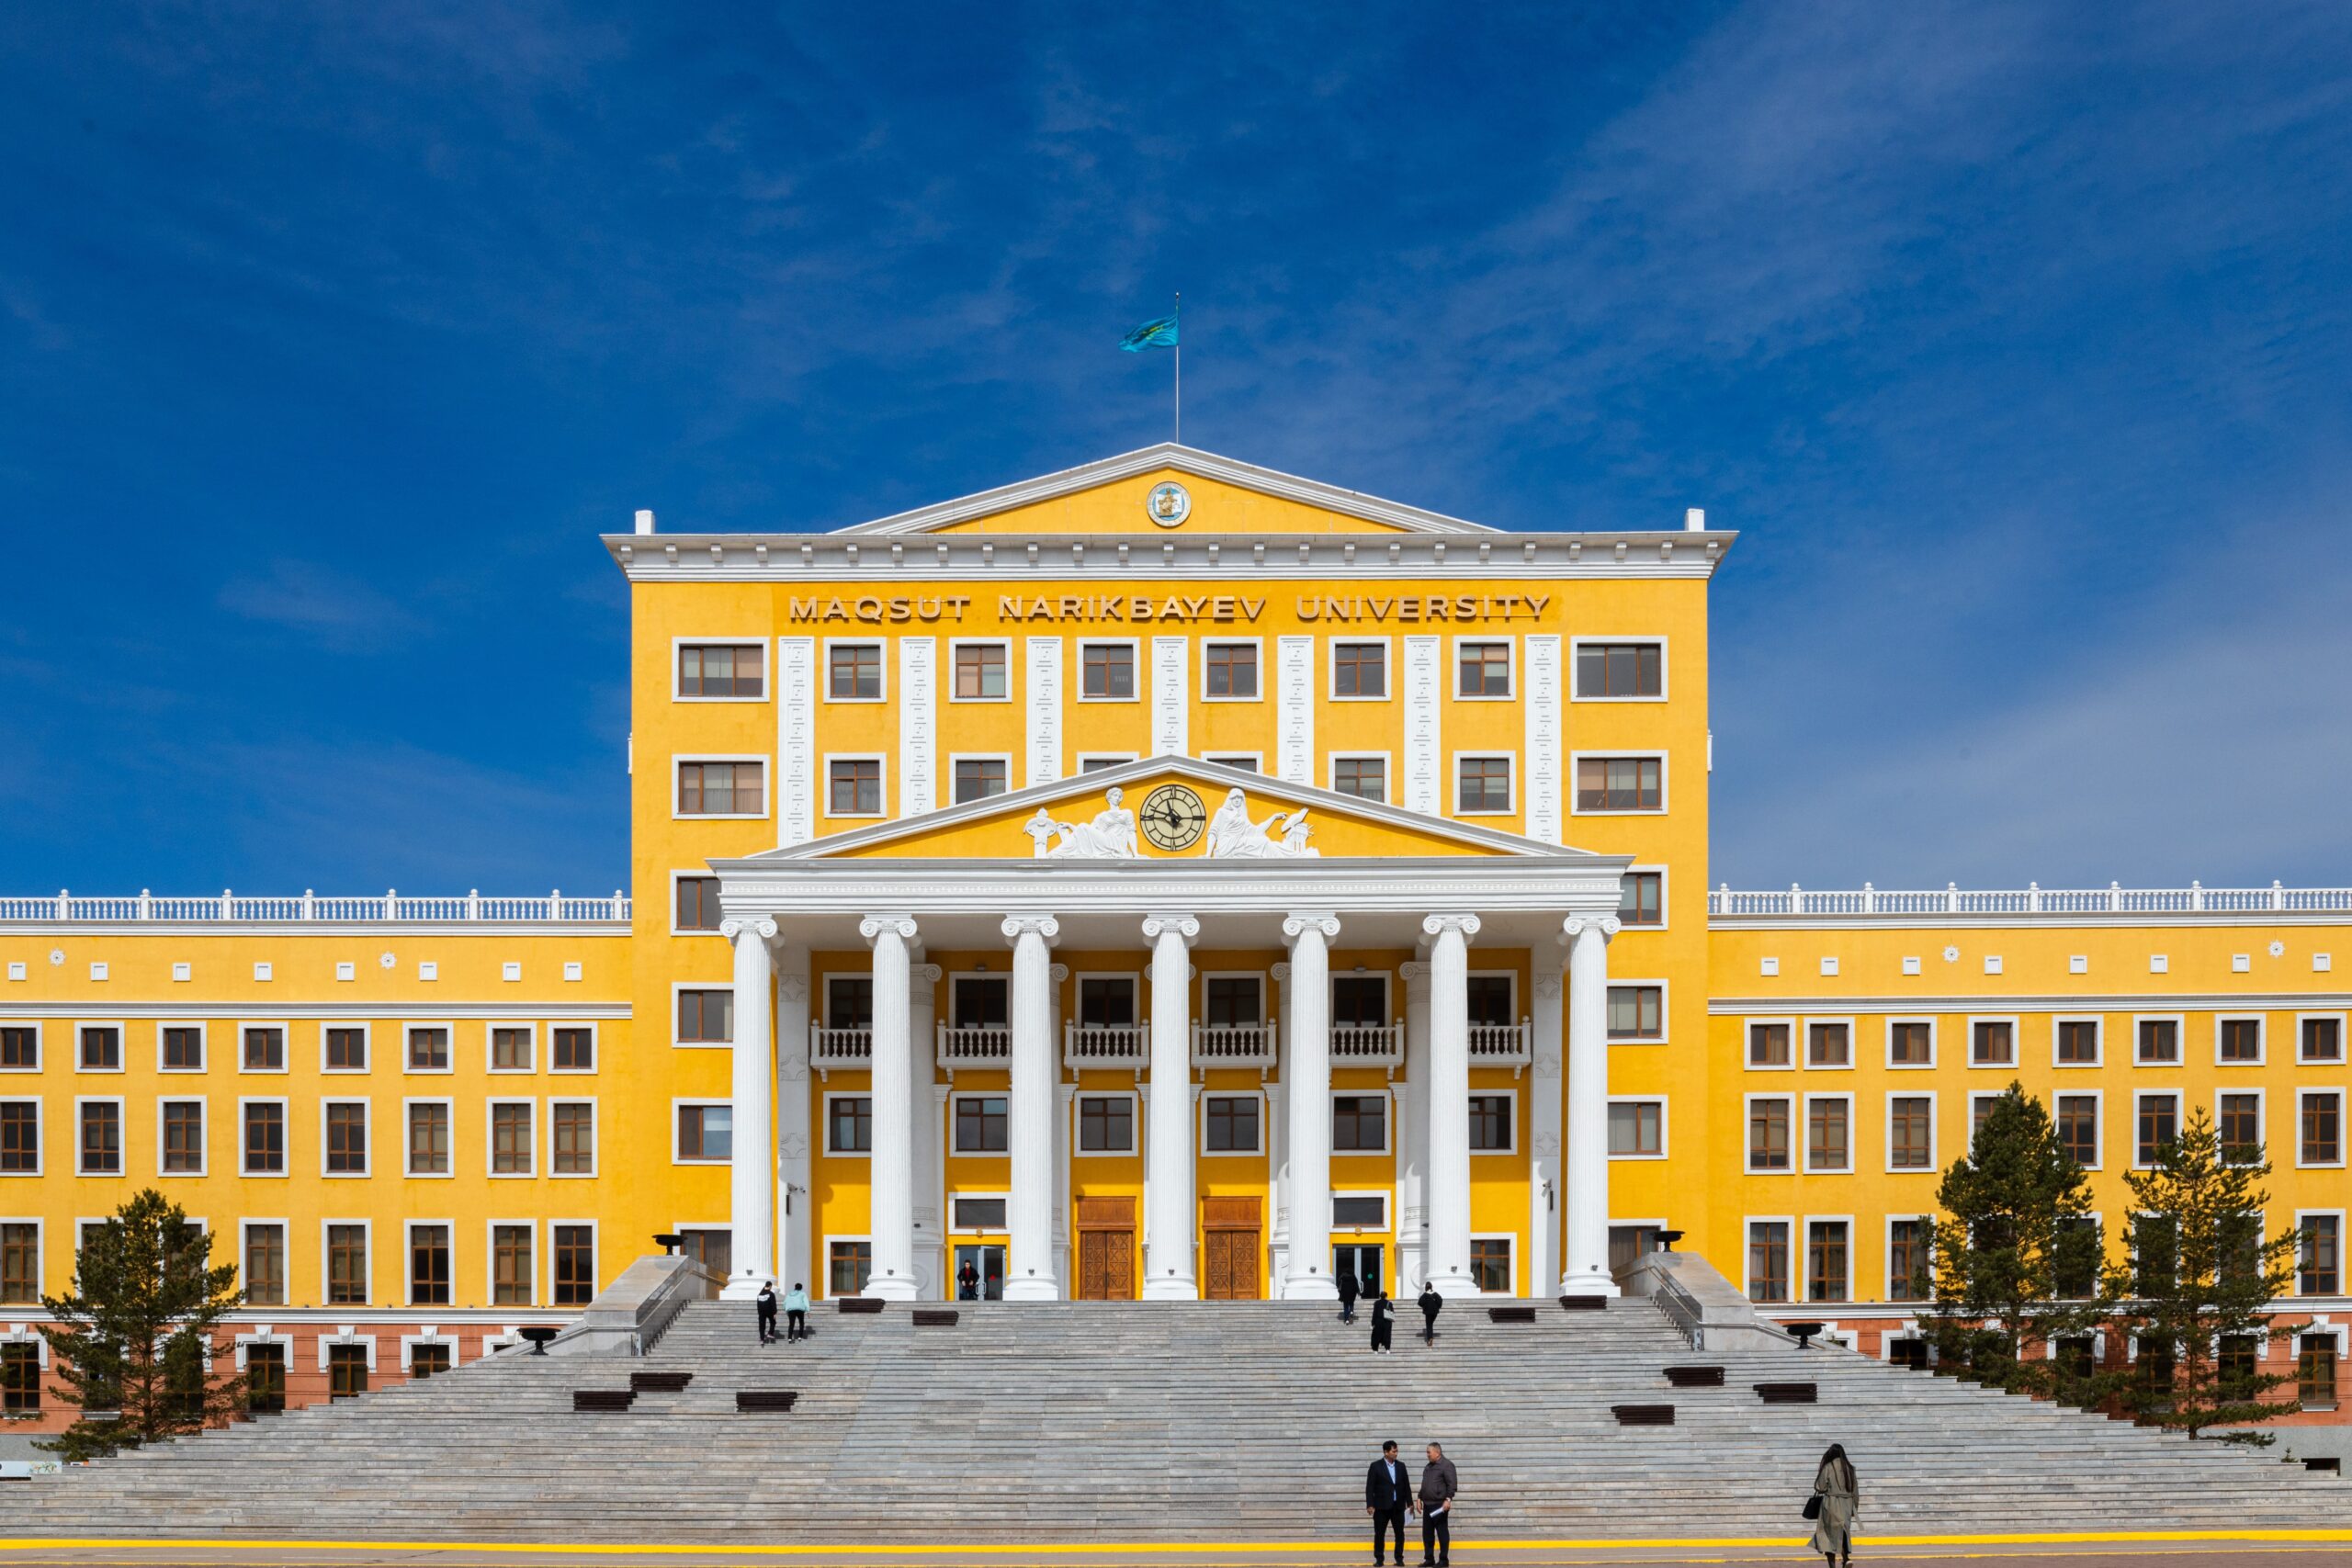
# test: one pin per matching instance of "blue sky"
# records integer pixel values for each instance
(2012, 338)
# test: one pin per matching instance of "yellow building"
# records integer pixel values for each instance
(1163, 878)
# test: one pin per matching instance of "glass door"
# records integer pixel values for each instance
(1367, 1259)
(986, 1283)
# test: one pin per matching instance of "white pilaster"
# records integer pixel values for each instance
(1448, 1263)
(1168, 1260)
(917, 726)
(792, 1209)
(1171, 687)
(796, 741)
(890, 1172)
(1278, 1139)
(1424, 687)
(1041, 707)
(1294, 710)
(1543, 757)
(1307, 1074)
(752, 1169)
(1029, 1266)
(930, 1181)
(1413, 1136)
(1544, 1117)
(1585, 1254)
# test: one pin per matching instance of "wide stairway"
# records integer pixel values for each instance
(1139, 1422)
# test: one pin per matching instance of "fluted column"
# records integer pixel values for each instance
(1029, 1112)
(891, 1169)
(1544, 1120)
(1065, 1272)
(1168, 1262)
(1413, 1136)
(752, 1166)
(1278, 1137)
(922, 1106)
(1585, 1253)
(1448, 1263)
(792, 1209)
(1308, 1076)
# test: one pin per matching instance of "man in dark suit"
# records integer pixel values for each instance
(1384, 1322)
(1439, 1484)
(1347, 1295)
(1387, 1493)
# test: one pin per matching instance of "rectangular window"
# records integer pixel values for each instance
(980, 670)
(1636, 1012)
(849, 1124)
(19, 1261)
(264, 1050)
(1910, 1132)
(265, 1273)
(1621, 783)
(848, 1265)
(183, 1152)
(980, 1124)
(1767, 1260)
(1992, 1042)
(721, 789)
(697, 898)
(1359, 1001)
(977, 778)
(978, 1214)
(346, 1372)
(1485, 670)
(511, 1138)
(2322, 1128)
(428, 1050)
(1768, 1045)
(513, 1275)
(101, 1138)
(1107, 670)
(1641, 898)
(428, 1265)
(1491, 998)
(183, 1049)
(2159, 1121)
(849, 1002)
(2315, 1372)
(2319, 1263)
(347, 1049)
(1638, 1128)
(1629, 1243)
(575, 1050)
(2078, 1251)
(1828, 1045)
(2077, 1042)
(19, 1137)
(1232, 669)
(853, 786)
(1906, 1261)
(511, 1050)
(854, 672)
(346, 1264)
(1359, 669)
(101, 1048)
(706, 1017)
(1107, 1124)
(347, 1152)
(714, 1249)
(1366, 778)
(1359, 1124)
(1491, 1124)
(1910, 1044)
(1482, 784)
(2239, 1126)
(1106, 1001)
(1230, 1001)
(2241, 1040)
(1490, 1264)
(1828, 1139)
(2321, 1039)
(427, 1360)
(1231, 1124)
(2159, 1040)
(19, 1048)
(2079, 1128)
(1360, 1211)
(1621, 670)
(1767, 1134)
(574, 1132)
(1824, 1270)
(718, 669)
(265, 1379)
(574, 1248)
(20, 1379)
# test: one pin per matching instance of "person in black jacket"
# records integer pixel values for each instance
(767, 1313)
(1387, 1493)
(1430, 1304)
(1383, 1322)
(1347, 1295)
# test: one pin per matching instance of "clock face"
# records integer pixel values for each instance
(1172, 817)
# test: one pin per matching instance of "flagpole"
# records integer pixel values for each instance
(1179, 368)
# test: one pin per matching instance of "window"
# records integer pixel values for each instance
(2154, 1364)
(346, 1372)
(428, 1050)
(513, 1275)
(1107, 670)
(510, 1139)
(2078, 1251)
(575, 1264)
(1637, 1129)
(1828, 1136)
(1232, 669)
(1767, 1134)
(1641, 898)
(183, 1049)
(2239, 1126)
(714, 1249)
(1992, 1042)
(346, 1264)
(718, 669)
(2319, 1263)
(1491, 996)
(2320, 1040)
(697, 899)
(1106, 1001)
(1768, 1045)
(428, 1265)
(1828, 1045)
(1825, 1260)
(1619, 670)
(980, 1124)
(1636, 1012)
(2240, 1040)
(1107, 1124)
(427, 1360)
(101, 1137)
(2159, 1121)
(264, 1378)
(706, 1017)
(264, 1272)
(1229, 1001)
(511, 1050)
(849, 1124)
(2323, 1129)
(1910, 1132)
(2159, 1040)
(19, 1048)
(1767, 1260)
(346, 1150)
(2078, 1042)
(1482, 784)
(1910, 1044)
(980, 1001)
(347, 1049)
(1359, 1124)
(1621, 783)
(1360, 1210)
(575, 1050)
(19, 1261)
(1491, 1124)
(1484, 670)
(101, 1048)
(20, 1378)
(1359, 1001)
(1490, 1264)
(1359, 669)
(1907, 1260)
(1630, 1244)
(183, 1150)
(2315, 1372)
(264, 1050)
(849, 1002)
(1366, 778)
(1096, 761)
(721, 789)
(854, 672)
(2079, 1128)
(853, 786)
(1230, 1126)
(848, 1265)
(979, 672)
(978, 1214)
(977, 778)
(20, 1137)
(574, 1132)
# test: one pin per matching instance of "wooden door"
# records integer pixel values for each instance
(1106, 1249)
(1234, 1245)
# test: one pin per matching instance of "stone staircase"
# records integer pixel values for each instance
(1144, 1421)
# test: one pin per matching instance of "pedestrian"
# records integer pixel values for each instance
(766, 1301)
(795, 1313)
(1837, 1498)
(967, 1282)
(1439, 1484)
(1388, 1497)
(1347, 1295)
(1384, 1322)
(1430, 1302)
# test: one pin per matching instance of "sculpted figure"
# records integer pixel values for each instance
(1283, 836)
(1109, 836)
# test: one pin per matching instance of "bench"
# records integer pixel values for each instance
(1642, 1415)
(1584, 1303)
(936, 1318)
(1788, 1393)
(1510, 1314)
(860, 1304)
(764, 1398)
(1695, 1377)
(602, 1398)
(659, 1383)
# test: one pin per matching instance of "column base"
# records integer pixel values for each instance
(744, 1288)
(893, 1288)
(1590, 1283)
(1450, 1285)
(1309, 1288)
(1172, 1288)
(1031, 1291)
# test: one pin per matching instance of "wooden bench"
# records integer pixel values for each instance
(1584, 1303)
(860, 1304)
(936, 1318)
(659, 1383)
(1695, 1377)
(1788, 1393)
(1510, 1314)
(1642, 1415)
(602, 1398)
(766, 1398)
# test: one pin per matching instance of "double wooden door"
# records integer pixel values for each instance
(1233, 1247)
(1106, 1249)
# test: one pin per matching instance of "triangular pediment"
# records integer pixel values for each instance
(1181, 825)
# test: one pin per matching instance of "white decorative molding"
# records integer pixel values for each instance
(1574, 926)
(1437, 925)
(1953, 905)
(759, 926)
(1015, 926)
(873, 926)
(1544, 746)
(1295, 709)
(1110, 835)
(796, 741)
(918, 725)
(1041, 708)
(1171, 667)
(1231, 835)
(1424, 687)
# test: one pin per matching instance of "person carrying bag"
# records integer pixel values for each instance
(1837, 1496)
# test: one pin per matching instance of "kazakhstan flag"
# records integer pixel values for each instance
(1158, 333)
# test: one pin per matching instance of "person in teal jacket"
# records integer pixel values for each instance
(796, 1313)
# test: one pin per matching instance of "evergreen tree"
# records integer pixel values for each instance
(2019, 1267)
(131, 1334)
(2200, 1283)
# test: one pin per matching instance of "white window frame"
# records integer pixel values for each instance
(122, 1045)
(958, 977)
(956, 758)
(1453, 782)
(1257, 975)
(1664, 1125)
(416, 1072)
(823, 1264)
(1387, 1214)
(203, 1046)
(246, 1224)
(490, 1047)
(1747, 1044)
(954, 1229)
(1257, 647)
(2261, 1120)
(678, 760)
(285, 1047)
(1977, 1097)
(2099, 1038)
(1387, 1121)
(881, 761)
(1935, 1046)
(490, 1229)
(1387, 669)
(40, 1137)
(41, 1044)
(1331, 760)
(948, 691)
(122, 1130)
(678, 646)
(1135, 977)
(595, 1251)
(1800, 1277)
(1665, 875)
(1482, 639)
(326, 1275)
(679, 1102)
(2338, 1216)
(1748, 1223)
(204, 1149)
(1886, 1266)
(367, 1043)
(2261, 1038)
(1853, 1137)
(1134, 1124)
(2179, 1022)
(1801, 1042)
(1078, 667)
(596, 1138)
(825, 1132)
(1576, 692)
(407, 1280)
(1200, 1123)
(1623, 753)
(2015, 1063)
(825, 992)
(489, 1104)
(1246, 761)
(677, 876)
(1793, 1099)
(677, 990)
(2343, 1045)
(2098, 1098)
(954, 1152)
(1512, 1289)
(286, 1126)
(368, 1144)
(595, 1044)
(1665, 1012)
(2303, 1092)
(1514, 1151)
(881, 648)
(1101, 760)
(2180, 1098)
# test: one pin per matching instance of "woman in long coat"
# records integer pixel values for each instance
(1833, 1531)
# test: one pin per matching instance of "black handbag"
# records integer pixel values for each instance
(1812, 1507)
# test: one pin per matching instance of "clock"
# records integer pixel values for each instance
(1172, 817)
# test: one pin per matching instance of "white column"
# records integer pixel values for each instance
(752, 1169)
(891, 1169)
(1064, 1093)
(1413, 1136)
(1449, 1104)
(1585, 1255)
(1308, 1074)
(930, 1183)
(1029, 1261)
(1278, 1141)
(1544, 1082)
(1167, 1171)
(792, 1122)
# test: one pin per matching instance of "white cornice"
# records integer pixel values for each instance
(371, 929)
(256, 1011)
(2127, 1001)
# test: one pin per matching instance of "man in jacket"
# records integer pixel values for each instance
(796, 1313)
(1430, 1304)
(1387, 1493)
(1384, 1322)
(1347, 1295)
(1439, 1485)
(767, 1313)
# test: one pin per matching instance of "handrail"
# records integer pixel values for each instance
(989, 1043)
(1233, 1044)
(309, 907)
(1681, 1309)
(831, 1047)
(1116, 1045)
(1368, 1041)
(1870, 902)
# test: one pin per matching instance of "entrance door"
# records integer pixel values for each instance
(987, 1258)
(1106, 1249)
(1229, 1271)
(1366, 1258)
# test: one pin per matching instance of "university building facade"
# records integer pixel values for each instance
(1164, 879)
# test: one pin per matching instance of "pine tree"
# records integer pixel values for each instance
(132, 1333)
(2019, 1276)
(2200, 1283)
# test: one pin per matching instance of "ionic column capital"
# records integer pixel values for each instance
(1297, 926)
(924, 974)
(1186, 925)
(1281, 973)
(1015, 926)
(1437, 925)
(1056, 972)
(901, 926)
(759, 926)
(1575, 926)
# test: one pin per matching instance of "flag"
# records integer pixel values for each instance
(1159, 332)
